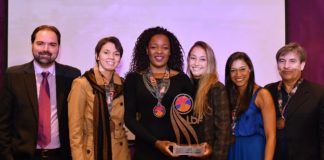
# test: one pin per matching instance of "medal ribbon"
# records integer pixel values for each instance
(158, 90)
(282, 108)
(110, 91)
(234, 117)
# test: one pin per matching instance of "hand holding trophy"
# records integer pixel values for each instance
(182, 104)
(207, 151)
(164, 147)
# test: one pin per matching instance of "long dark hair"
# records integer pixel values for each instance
(232, 89)
(140, 59)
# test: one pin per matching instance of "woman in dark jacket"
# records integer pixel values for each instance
(211, 102)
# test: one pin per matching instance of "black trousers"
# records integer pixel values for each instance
(48, 154)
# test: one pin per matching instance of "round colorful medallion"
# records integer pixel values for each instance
(183, 103)
(159, 110)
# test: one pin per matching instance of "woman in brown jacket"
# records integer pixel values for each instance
(96, 108)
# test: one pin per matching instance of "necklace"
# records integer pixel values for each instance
(234, 118)
(157, 89)
(282, 108)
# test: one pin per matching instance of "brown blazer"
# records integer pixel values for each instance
(80, 102)
(19, 110)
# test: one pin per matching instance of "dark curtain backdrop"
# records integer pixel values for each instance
(3, 39)
(305, 25)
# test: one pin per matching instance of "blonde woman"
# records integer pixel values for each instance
(211, 102)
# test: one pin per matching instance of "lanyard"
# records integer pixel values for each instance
(282, 108)
(110, 91)
(158, 90)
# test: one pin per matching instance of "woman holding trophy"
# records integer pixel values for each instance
(157, 96)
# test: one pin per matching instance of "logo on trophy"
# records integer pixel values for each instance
(182, 105)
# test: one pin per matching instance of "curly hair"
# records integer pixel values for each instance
(140, 59)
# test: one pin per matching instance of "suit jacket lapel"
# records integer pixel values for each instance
(274, 91)
(297, 100)
(30, 85)
(60, 87)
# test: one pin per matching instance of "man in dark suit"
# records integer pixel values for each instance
(33, 105)
(299, 107)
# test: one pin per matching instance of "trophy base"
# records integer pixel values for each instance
(188, 150)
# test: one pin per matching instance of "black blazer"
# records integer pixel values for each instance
(19, 110)
(304, 129)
